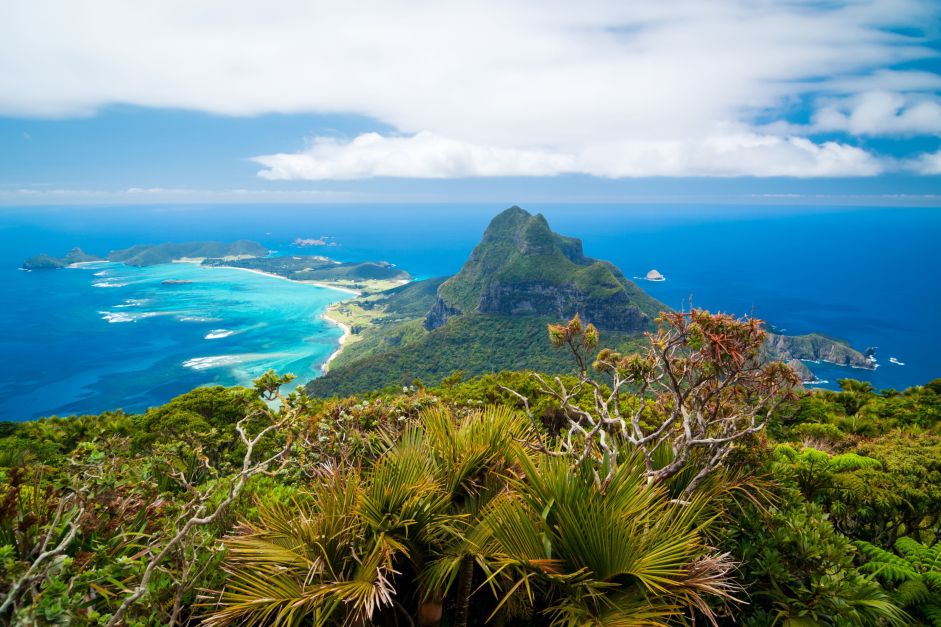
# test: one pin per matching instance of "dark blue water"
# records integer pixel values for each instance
(868, 275)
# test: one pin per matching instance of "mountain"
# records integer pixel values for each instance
(154, 254)
(522, 268)
(490, 316)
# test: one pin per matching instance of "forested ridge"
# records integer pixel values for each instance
(689, 481)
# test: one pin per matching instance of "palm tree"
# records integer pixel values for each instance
(382, 544)
(365, 544)
(625, 554)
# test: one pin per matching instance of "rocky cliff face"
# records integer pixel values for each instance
(815, 347)
(561, 302)
(439, 314)
(806, 374)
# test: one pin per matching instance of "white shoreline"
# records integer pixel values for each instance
(347, 331)
(347, 334)
(284, 278)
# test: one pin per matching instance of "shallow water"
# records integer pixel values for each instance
(125, 339)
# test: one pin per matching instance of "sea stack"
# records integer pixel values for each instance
(654, 275)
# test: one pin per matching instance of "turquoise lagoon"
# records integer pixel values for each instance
(120, 337)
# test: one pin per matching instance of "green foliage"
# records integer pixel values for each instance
(825, 432)
(800, 571)
(354, 546)
(625, 555)
(412, 486)
(474, 343)
(912, 572)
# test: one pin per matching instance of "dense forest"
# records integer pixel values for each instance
(688, 482)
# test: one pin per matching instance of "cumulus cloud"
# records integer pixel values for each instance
(426, 155)
(494, 87)
(881, 113)
(928, 164)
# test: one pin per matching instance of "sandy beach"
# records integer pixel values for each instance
(347, 333)
(284, 278)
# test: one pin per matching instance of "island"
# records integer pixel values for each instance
(48, 262)
(654, 275)
(492, 316)
(153, 254)
(142, 255)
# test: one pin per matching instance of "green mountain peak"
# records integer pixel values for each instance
(521, 267)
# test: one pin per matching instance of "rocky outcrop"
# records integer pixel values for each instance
(806, 374)
(439, 314)
(815, 347)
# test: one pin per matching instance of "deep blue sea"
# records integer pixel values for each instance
(108, 336)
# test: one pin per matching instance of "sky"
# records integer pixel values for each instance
(109, 101)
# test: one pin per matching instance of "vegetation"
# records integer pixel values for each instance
(318, 268)
(638, 468)
(48, 262)
(473, 343)
(153, 254)
(688, 482)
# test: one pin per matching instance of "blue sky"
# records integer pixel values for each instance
(120, 102)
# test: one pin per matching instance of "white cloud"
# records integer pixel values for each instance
(424, 155)
(881, 113)
(733, 154)
(928, 164)
(489, 86)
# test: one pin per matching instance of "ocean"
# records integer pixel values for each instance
(107, 336)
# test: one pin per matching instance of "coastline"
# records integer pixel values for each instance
(284, 278)
(347, 334)
(347, 331)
